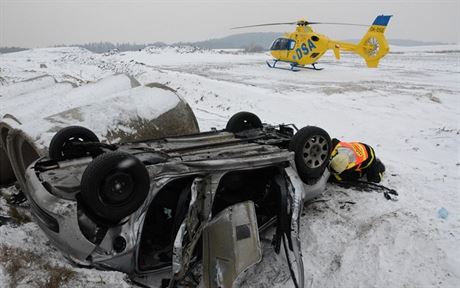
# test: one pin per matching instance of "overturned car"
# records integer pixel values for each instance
(167, 210)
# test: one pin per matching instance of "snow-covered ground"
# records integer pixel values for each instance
(408, 110)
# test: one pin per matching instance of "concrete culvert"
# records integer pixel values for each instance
(6, 171)
(22, 151)
(3, 135)
(7, 176)
(115, 108)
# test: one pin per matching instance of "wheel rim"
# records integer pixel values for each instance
(68, 150)
(247, 124)
(315, 151)
(117, 189)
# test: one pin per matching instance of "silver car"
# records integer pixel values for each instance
(169, 211)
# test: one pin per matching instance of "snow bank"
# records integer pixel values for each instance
(174, 50)
(448, 48)
(408, 110)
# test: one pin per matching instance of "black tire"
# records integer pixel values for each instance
(113, 186)
(312, 147)
(242, 121)
(60, 149)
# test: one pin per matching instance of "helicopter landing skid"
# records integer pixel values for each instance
(312, 68)
(294, 66)
(282, 68)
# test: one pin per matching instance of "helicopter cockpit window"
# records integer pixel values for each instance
(283, 44)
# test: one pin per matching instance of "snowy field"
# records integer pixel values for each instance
(408, 110)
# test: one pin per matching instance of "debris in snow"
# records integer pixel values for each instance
(443, 213)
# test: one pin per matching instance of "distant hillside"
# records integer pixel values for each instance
(265, 39)
(403, 42)
(407, 43)
(102, 47)
(237, 41)
(11, 49)
(250, 41)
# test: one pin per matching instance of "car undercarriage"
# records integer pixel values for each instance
(166, 210)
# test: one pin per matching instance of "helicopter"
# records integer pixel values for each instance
(305, 47)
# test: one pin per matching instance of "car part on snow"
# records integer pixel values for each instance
(141, 112)
(61, 145)
(230, 245)
(370, 187)
(312, 148)
(113, 186)
(103, 212)
(243, 121)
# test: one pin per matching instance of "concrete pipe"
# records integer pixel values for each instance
(117, 109)
(14, 98)
(6, 171)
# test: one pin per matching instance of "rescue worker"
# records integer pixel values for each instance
(350, 161)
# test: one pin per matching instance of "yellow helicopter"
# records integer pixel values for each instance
(305, 47)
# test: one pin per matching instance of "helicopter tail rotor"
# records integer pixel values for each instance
(373, 46)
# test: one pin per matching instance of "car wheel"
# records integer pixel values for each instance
(60, 148)
(113, 186)
(243, 121)
(312, 148)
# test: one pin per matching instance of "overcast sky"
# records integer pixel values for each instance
(39, 23)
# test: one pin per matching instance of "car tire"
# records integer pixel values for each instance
(242, 121)
(60, 149)
(312, 148)
(113, 186)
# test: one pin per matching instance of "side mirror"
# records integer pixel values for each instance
(231, 244)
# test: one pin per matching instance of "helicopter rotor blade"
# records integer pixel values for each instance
(337, 23)
(267, 24)
(303, 22)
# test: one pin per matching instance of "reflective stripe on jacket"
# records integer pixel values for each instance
(361, 155)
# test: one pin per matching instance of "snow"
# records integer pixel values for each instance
(13, 90)
(408, 110)
(45, 105)
(62, 95)
(426, 49)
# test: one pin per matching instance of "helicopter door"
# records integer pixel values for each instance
(290, 49)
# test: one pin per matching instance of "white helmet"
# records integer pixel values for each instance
(340, 162)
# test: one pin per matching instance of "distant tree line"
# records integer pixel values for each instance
(102, 47)
(254, 48)
(250, 42)
(11, 49)
(96, 47)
